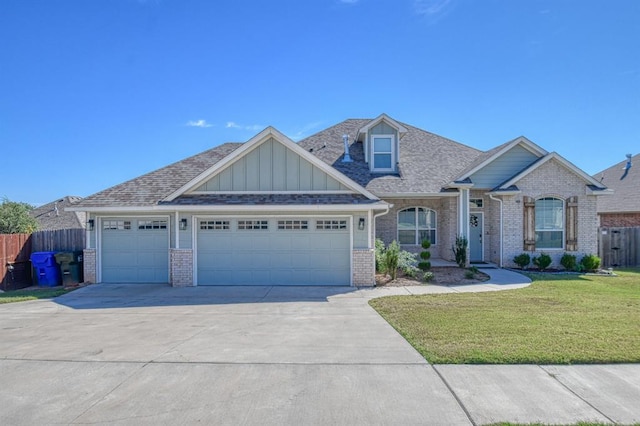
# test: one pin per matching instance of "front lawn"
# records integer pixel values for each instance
(559, 319)
(32, 294)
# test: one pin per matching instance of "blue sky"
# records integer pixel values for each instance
(96, 92)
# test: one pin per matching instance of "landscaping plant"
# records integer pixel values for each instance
(391, 259)
(590, 262)
(379, 252)
(522, 260)
(460, 250)
(568, 262)
(407, 263)
(425, 255)
(543, 261)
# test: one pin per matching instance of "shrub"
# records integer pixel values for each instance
(469, 274)
(568, 261)
(407, 263)
(522, 260)
(543, 261)
(425, 255)
(391, 259)
(427, 276)
(590, 262)
(379, 250)
(460, 250)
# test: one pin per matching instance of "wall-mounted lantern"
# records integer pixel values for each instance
(183, 224)
(90, 224)
(361, 224)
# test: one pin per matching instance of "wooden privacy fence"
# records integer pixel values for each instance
(619, 247)
(16, 249)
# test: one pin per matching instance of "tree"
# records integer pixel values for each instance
(15, 218)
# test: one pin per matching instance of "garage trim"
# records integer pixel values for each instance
(99, 221)
(196, 219)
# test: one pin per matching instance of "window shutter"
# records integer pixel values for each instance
(529, 223)
(572, 224)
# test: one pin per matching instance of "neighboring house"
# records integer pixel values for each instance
(274, 212)
(622, 209)
(53, 216)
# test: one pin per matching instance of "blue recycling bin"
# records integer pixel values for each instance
(45, 269)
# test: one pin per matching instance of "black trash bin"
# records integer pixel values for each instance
(45, 271)
(70, 264)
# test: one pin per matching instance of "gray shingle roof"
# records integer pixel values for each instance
(52, 216)
(149, 189)
(427, 161)
(626, 195)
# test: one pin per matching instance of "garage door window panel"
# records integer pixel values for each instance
(247, 225)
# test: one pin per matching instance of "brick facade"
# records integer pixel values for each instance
(89, 265)
(446, 224)
(364, 267)
(550, 180)
(181, 267)
(619, 220)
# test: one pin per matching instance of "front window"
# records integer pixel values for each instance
(549, 223)
(382, 153)
(416, 224)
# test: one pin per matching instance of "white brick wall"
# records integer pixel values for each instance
(89, 265)
(364, 267)
(550, 180)
(181, 274)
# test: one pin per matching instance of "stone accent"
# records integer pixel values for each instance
(364, 267)
(181, 272)
(550, 180)
(89, 265)
(619, 220)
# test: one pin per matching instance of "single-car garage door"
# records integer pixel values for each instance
(273, 251)
(135, 250)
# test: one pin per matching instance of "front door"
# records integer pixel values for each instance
(475, 237)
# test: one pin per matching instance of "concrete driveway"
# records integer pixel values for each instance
(152, 354)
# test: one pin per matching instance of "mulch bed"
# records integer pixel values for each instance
(442, 275)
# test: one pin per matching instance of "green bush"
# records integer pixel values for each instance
(469, 274)
(590, 262)
(425, 255)
(392, 259)
(460, 250)
(522, 260)
(568, 262)
(427, 276)
(407, 263)
(543, 261)
(379, 250)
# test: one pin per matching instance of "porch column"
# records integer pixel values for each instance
(463, 213)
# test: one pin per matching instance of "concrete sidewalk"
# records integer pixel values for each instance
(152, 354)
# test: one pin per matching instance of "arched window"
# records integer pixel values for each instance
(416, 224)
(549, 214)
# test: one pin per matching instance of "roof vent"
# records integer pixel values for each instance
(347, 157)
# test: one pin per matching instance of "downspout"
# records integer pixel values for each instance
(389, 207)
(491, 196)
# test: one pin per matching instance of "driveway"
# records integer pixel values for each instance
(152, 354)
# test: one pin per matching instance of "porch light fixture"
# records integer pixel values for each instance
(90, 223)
(361, 224)
(183, 224)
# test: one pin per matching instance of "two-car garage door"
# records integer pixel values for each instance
(231, 251)
(273, 251)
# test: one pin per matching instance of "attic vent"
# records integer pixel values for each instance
(347, 157)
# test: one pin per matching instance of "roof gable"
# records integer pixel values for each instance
(594, 184)
(267, 163)
(626, 196)
(379, 119)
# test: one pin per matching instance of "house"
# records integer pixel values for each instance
(274, 212)
(622, 209)
(619, 214)
(53, 216)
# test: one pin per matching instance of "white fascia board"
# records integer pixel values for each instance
(599, 192)
(378, 119)
(269, 132)
(496, 193)
(521, 140)
(554, 155)
(417, 194)
(239, 207)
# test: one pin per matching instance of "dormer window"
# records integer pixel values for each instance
(383, 153)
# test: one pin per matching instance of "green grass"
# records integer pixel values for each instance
(562, 319)
(32, 294)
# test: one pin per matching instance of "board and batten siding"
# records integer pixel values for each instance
(502, 168)
(272, 167)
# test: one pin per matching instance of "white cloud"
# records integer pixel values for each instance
(432, 9)
(306, 130)
(198, 123)
(251, 127)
